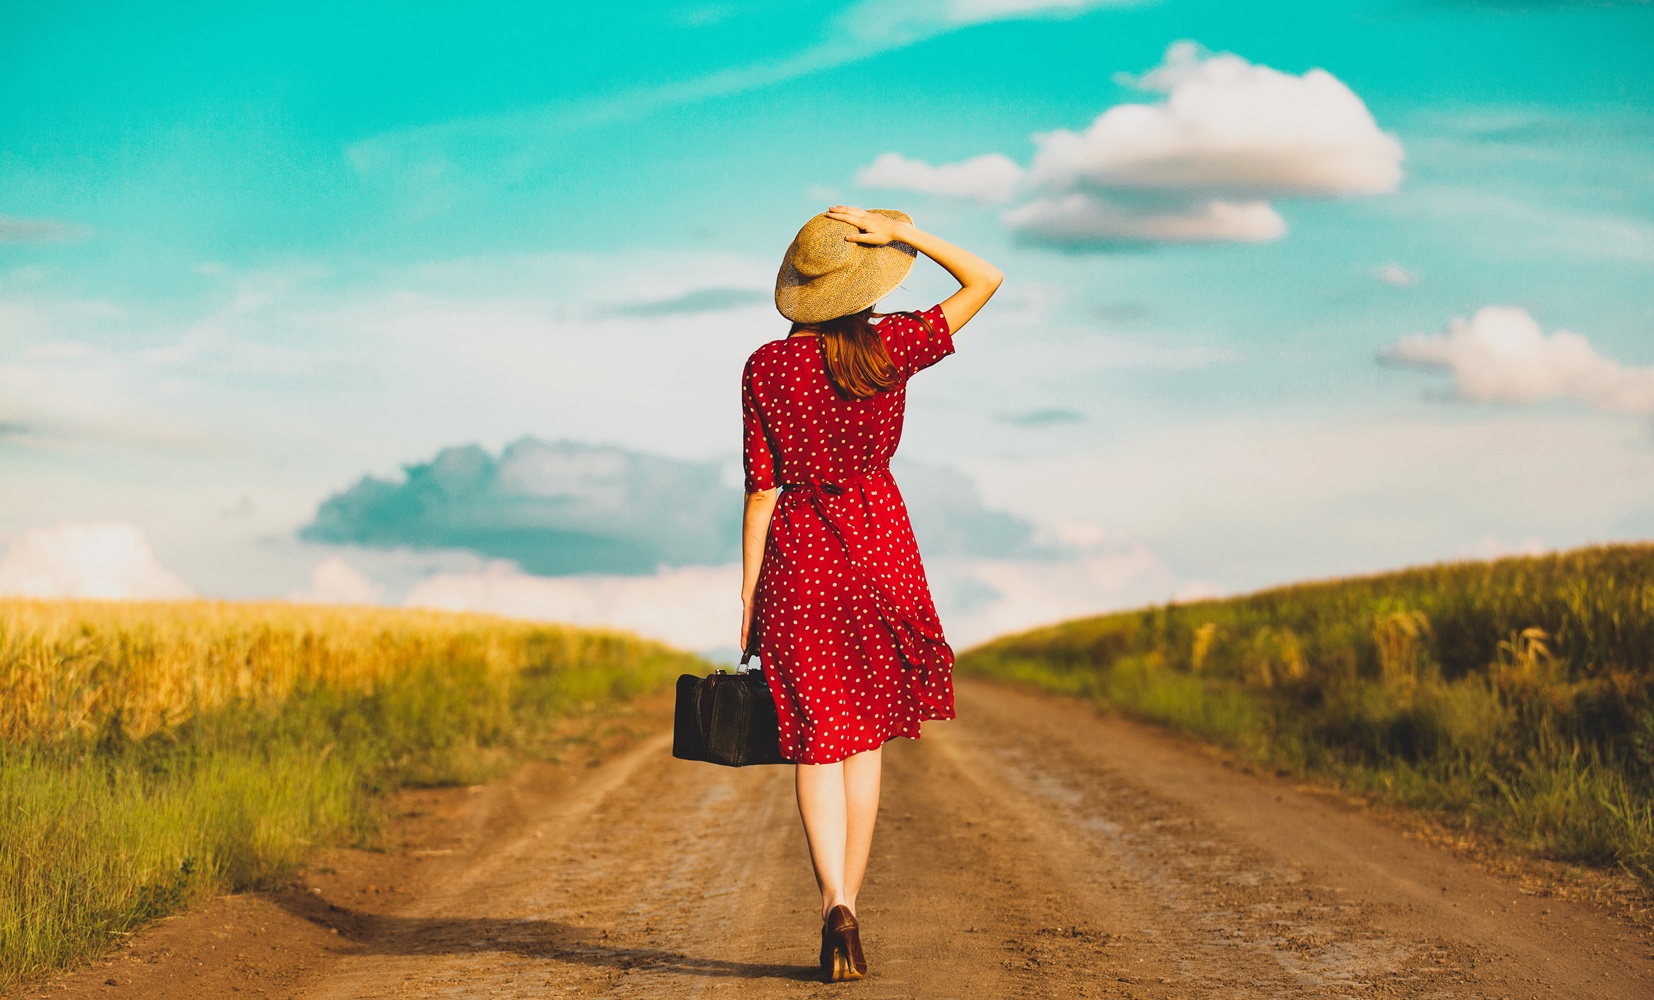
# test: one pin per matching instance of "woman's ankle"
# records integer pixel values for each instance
(828, 902)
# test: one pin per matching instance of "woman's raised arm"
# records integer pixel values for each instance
(978, 279)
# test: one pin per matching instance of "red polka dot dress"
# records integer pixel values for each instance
(847, 631)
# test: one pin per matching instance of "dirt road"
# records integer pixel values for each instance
(1031, 849)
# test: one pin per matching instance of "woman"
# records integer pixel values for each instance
(834, 597)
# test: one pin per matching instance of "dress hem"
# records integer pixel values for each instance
(853, 749)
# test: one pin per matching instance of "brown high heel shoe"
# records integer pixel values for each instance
(841, 955)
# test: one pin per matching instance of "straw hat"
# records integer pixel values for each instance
(824, 276)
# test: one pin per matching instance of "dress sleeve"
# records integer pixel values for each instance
(757, 456)
(911, 345)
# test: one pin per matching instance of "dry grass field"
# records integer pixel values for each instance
(1514, 697)
(154, 753)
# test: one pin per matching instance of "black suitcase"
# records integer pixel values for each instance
(728, 719)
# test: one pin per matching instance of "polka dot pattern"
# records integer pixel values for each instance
(847, 630)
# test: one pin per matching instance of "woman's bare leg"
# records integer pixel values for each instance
(839, 804)
(822, 804)
(861, 796)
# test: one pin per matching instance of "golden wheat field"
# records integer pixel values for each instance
(154, 753)
(72, 667)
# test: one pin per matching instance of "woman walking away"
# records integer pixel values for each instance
(834, 597)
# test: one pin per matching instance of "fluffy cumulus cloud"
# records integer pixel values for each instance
(1227, 125)
(97, 560)
(569, 508)
(1501, 354)
(991, 570)
(989, 179)
(1197, 165)
(335, 581)
(553, 508)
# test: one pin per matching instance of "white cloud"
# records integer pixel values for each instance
(1227, 126)
(1253, 499)
(984, 598)
(699, 607)
(693, 607)
(1081, 218)
(1192, 168)
(98, 559)
(1502, 355)
(989, 179)
(335, 581)
(1396, 275)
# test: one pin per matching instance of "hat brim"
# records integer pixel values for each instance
(877, 272)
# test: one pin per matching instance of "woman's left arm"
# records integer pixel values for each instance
(755, 530)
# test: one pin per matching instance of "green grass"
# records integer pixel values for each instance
(1515, 697)
(105, 825)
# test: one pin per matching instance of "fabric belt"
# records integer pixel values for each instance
(816, 484)
(921, 643)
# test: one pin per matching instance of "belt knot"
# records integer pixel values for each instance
(814, 483)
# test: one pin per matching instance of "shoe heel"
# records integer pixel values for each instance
(843, 970)
(841, 958)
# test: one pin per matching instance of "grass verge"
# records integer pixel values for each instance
(154, 754)
(1512, 698)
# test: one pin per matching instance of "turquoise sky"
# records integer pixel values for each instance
(248, 256)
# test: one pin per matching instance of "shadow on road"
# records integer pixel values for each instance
(381, 934)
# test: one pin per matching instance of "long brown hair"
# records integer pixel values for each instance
(857, 363)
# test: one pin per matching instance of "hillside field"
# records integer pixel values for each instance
(1513, 697)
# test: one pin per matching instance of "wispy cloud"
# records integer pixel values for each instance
(19, 230)
(1041, 418)
(1494, 220)
(1396, 276)
(418, 158)
(1080, 219)
(698, 300)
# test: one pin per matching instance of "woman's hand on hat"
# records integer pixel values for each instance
(875, 230)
